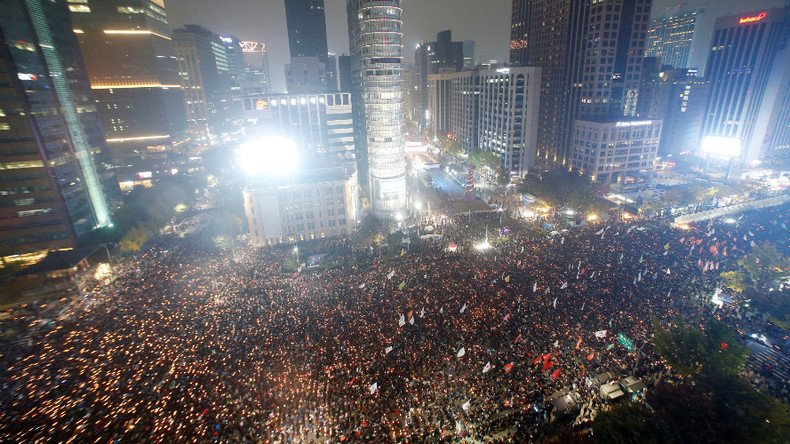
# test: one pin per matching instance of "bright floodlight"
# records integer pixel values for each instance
(269, 156)
(727, 147)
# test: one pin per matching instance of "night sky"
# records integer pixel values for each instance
(485, 21)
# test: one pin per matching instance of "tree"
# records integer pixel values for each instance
(735, 280)
(763, 265)
(630, 423)
(692, 351)
(485, 159)
(134, 239)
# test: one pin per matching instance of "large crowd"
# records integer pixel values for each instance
(197, 344)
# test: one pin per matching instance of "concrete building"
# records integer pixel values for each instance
(322, 125)
(52, 191)
(441, 56)
(129, 54)
(492, 109)
(315, 205)
(375, 41)
(621, 152)
(669, 39)
(748, 69)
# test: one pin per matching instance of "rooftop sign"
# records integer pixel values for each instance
(753, 19)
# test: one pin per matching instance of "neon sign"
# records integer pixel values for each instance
(753, 19)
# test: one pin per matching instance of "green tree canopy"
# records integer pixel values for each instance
(763, 265)
(690, 351)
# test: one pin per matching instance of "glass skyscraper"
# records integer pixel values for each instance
(51, 191)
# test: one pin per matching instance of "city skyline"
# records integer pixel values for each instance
(487, 23)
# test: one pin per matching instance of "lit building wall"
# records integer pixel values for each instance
(375, 42)
(306, 75)
(669, 39)
(616, 152)
(129, 55)
(491, 109)
(322, 125)
(324, 205)
(51, 189)
(743, 53)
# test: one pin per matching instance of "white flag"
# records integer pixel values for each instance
(535, 287)
(402, 321)
(466, 405)
(411, 320)
(555, 302)
(441, 310)
(422, 313)
(362, 286)
(601, 334)
(463, 309)
(600, 232)
(564, 286)
(548, 290)
(460, 353)
(556, 343)
(562, 241)
(387, 350)
(487, 368)
(373, 387)
(391, 273)
(669, 271)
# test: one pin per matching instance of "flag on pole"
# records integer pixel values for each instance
(466, 405)
(401, 321)
(547, 365)
(601, 334)
(564, 286)
(391, 273)
(507, 279)
(610, 346)
(507, 317)
(422, 313)
(591, 356)
(535, 287)
(579, 343)
(556, 374)
(626, 342)
(362, 286)
(387, 350)
(463, 309)
(487, 368)
(508, 367)
(411, 320)
(373, 387)
(460, 353)
(402, 285)
(555, 303)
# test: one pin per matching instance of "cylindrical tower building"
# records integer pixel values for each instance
(375, 43)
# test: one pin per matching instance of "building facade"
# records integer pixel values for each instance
(51, 142)
(442, 56)
(306, 21)
(207, 81)
(322, 125)
(491, 109)
(620, 152)
(678, 97)
(375, 42)
(669, 39)
(748, 55)
(321, 204)
(306, 75)
(130, 58)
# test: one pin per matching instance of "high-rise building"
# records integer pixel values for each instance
(550, 35)
(129, 54)
(747, 66)
(591, 54)
(490, 109)
(669, 39)
(442, 56)
(469, 54)
(322, 125)
(375, 41)
(306, 20)
(51, 190)
(678, 97)
(206, 80)
(236, 71)
(306, 75)
(309, 70)
(256, 79)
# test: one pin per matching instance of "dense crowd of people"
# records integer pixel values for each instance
(197, 344)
